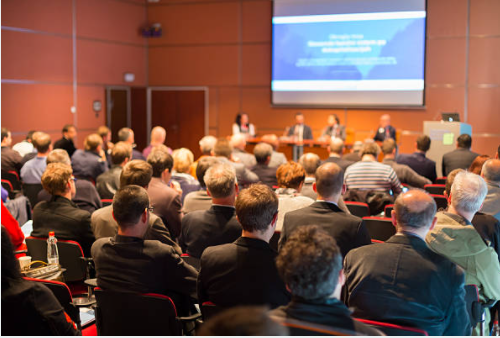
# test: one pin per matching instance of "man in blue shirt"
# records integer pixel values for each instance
(92, 162)
(32, 171)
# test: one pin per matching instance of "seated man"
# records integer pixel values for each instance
(127, 135)
(310, 162)
(207, 144)
(60, 214)
(11, 160)
(417, 161)
(136, 172)
(222, 150)
(32, 171)
(336, 149)
(108, 182)
(311, 265)
(385, 130)
(266, 174)
(66, 142)
(244, 272)
(348, 231)
(127, 262)
(91, 162)
(277, 158)
(491, 174)
(218, 225)
(165, 200)
(158, 137)
(455, 238)
(200, 200)
(461, 157)
(402, 281)
(405, 174)
(239, 143)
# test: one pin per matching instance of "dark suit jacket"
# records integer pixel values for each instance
(380, 136)
(87, 165)
(86, 197)
(11, 160)
(108, 182)
(241, 273)
(267, 174)
(403, 282)
(339, 161)
(65, 144)
(66, 220)
(421, 164)
(353, 157)
(306, 135)
(201, 229)
(349, 231)
(457, 159)
(167, 205)
(489, 229)
(137, 155)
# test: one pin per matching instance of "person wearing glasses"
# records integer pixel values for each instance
(60, 214)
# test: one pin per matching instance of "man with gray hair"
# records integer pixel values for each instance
(336, 148)
(491, 174)
(218, 225)
(207, 144)
(239, 143)
(310, 162)
(267, 174)
(402, 281)
(455, 238)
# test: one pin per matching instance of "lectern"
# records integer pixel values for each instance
(443, 138)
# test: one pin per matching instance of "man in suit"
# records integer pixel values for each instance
(103, 224)
(311, 265)
(417, 161)
(336, 149)
(402, 281)
(223, 150)
(91, 162)
(300, 131)
(277, 158)
(200, 200)
(405, 173)
(239, 142)
(127, 135)
(385, 130)
(310, 162)
(66, 142)
(266, 174)
(354, 156)
(462, 157)
(60, 214)
(128, 262)
(218, 225)
(11, 160)
(349, 231)
(244, 272)
(491, 174)
(109, 182)
(165, 200)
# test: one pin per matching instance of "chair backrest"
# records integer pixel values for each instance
(132, 314)
(193, 261)
(31, 191)
(473, 304)
(273, 243)
(440, 180)
(106, 202)
(436, 189)
(393, 329)
(359, 209)
(302, 328)
(380, 228)
(13, 178)
(63, 295)
(441, 201)
(7, 185)
(388, 210)
(70, 253)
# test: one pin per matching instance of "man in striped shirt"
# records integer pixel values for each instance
(368, 174)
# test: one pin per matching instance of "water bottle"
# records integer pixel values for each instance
(52, 253)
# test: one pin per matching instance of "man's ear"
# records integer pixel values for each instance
(344, 189)
(341, 278)
(144, 216)
(113, 214)
(449, 198)
(315, 188)
(393, 219)
(236, 189)
(208, 193)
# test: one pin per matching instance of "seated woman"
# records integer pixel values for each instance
(242, 126)
(183, 158)
(334, 129)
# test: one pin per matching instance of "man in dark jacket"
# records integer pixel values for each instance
(460, 158)
(267, 174)
(66, 142)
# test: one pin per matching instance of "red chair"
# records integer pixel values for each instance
(193, 261)
(376, 241)
(13, 177)
(440, 180)
(359, 209)
(435, 189)
(273, 243)
(441, 201)
(106, 202)
(393, 329)
(379, 228)
(388, 210)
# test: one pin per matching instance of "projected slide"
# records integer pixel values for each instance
(360, 59)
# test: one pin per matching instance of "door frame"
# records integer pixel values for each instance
(109, 106)
(173, 88)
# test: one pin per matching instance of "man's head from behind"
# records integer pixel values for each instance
(238, 141)
(126, 135)
(271, 139)
(468, 192)
(329, 181)
(290, 175)
(263, 153)
(370, 148)
(6, 137)
(464, 141)
(130, 207)
(57, 179)
(423, 143)
(491, 171)
(449, 181)
(136, 172)
(58, 156)
(414, 211)
(121, 153)
(160, 160)
(207, 144)
(257, 209)
(204, 164)
(389, 147)
(183, 158)
(223, 148)
(158, 135)
(42, 142)
(220, 180)
(336, 146)
(310, 162)
(310, 264)
(93, 142)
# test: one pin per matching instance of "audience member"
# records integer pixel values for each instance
(385, 130)
(33, 310)
(477, 165)
(222, 150)
(135, 172)
(200, 200)
(25, 146)
(354, 156)
(60, 214)
(243, 127)
(290, 178)
(105, 133)
(310, 162)
(165, 200)
(461, 157)
(266, 174)
(108, 182)
(244, 272)
(277, 158)
(32, 171)
(455, 238)
(300, 130)
(417, 161)
(127, 135)
(218, 225)
(183, 159)
(239, 142)
(491, 174)
(336, 149)
(404, 173)
(128, 262)
(158, 137)
(368, 174)
(334, 129)
(86, 196)
(91, 162)
(310, 264)
(402, 281)
(66, 142)
(207, 144)
(11, 160)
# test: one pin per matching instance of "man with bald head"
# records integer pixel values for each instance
(158, 136)
(491, 174)
(402, 281)
(239, 142)
(385, 130)
(336, 148)
(349, 231)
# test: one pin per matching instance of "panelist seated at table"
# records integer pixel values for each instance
(385, 130)
(243, 126)
(300, 130)
(334, 129)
